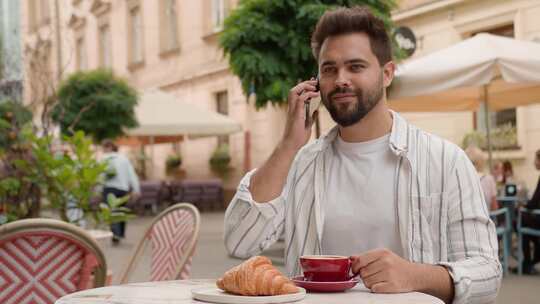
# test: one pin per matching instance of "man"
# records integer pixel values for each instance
(532, 221)
(120, 181)
(404, 204)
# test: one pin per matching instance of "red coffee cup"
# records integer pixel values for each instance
(326, 268)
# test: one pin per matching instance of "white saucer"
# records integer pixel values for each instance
(216, 295)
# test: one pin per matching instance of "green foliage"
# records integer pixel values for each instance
(19, 195)
(268, 42)
(114, 211)
(220, 160)
(97, 103)
(66, 174)
(503, 137)
(474, 138)
(173, 162)
(13, 115)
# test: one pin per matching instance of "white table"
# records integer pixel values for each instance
(179, 292)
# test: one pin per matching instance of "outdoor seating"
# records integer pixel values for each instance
(525, 231)
(205, 194)
(45, 259)
(173, 235)
(153, 193)
(504, 231)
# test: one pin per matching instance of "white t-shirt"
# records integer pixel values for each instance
(360, 211)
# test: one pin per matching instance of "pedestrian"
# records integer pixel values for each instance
(487, 181)
(121, 180)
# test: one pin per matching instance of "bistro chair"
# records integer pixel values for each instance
(172, 236)
(505, 232)
(44, 259)
(525, 231)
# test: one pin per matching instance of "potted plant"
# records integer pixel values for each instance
(173, 163)
(503, 137)
(220, 161)
(66, 175)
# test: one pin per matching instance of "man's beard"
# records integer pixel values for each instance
(347, 114)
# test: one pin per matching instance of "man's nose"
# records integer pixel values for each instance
(342, 79)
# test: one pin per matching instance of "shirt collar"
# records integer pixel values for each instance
(399, 136)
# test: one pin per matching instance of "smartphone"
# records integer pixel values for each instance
(312, 105)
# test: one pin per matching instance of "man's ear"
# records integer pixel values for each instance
(388, 73)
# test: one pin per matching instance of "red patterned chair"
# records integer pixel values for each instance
(43, 259)
(173, 236)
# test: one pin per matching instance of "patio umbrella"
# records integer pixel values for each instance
(162, 114)
(163, 118)
(497, 71)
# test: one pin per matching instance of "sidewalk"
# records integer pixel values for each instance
(211, 259)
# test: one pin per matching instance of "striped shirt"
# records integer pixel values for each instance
(442, 217)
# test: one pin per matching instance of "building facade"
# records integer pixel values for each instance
(172, 45)
(11, 70)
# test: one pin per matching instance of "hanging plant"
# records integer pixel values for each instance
(173, 162)
(220, 161)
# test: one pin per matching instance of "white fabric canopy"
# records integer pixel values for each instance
(458, 77)
(161, 114)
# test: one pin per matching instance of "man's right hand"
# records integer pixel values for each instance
(296, 134)
(269, 180)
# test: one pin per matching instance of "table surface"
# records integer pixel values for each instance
(179, 292)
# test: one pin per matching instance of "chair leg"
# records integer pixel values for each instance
(505, 254)
(520, 253)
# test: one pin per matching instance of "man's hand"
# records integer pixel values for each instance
(269, 180)
(383, 271)
(296, 134)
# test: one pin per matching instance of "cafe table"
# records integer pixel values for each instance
(179, 292)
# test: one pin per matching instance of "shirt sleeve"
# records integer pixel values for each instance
(133, 179)
(250, 226)
(473, 260)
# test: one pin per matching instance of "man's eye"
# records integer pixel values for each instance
(328, 70)
(356, 67)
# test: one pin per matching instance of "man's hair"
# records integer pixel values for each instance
(109, 144)
(357, 19)
(538, 153)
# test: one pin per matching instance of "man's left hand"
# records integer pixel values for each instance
(383, 271)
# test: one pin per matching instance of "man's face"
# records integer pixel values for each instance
(351, 80)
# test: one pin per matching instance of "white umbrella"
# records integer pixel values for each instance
(162, 114)
(162, 117)
(501, 72)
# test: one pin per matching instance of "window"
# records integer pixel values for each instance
(503, 124)
(222, 106)
(105, 56)
(169, 24)
(81, 60)
(218, 14)
(135, 51)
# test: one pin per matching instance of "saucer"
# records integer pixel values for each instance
(324, 286)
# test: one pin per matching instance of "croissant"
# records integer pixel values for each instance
(256, 277)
